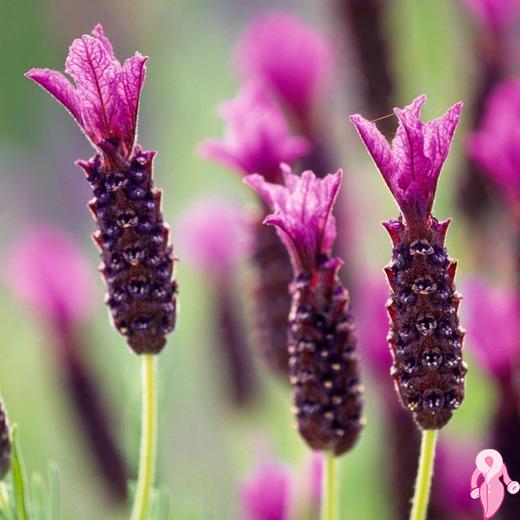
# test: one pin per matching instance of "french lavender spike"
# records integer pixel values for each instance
(257, 139)
(5, 442)
(132, 236)
(425, 337)
(323, 364)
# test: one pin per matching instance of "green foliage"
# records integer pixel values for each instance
(24, 498)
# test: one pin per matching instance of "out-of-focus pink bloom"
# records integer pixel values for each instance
(496, 145)
(50, 274)
(257, 136)
(454, 465)
(104, 98)
(412, 165)
(290, 57)
(372, 319)
(302, 213)
(266, 494)
(493, 324)
(494, 14)
(214, 235)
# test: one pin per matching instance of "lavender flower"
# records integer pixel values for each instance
(5, 443)
(425, 337)
(292, 59)
(132, 236)
(257, 137)
(266, 494)
(322, 359)
(495, 144)
(257, 140)
(486, 328)
(215, 236)
(494, 14)
(58, 286)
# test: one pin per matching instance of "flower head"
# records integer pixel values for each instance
(290, 57)
(493, 324)
(496, 145)
(50, 274)
(257, 135)
(104, 98)
(302, 213)
(215, 235)
(265, 495)
(494, 14)
(412, 164)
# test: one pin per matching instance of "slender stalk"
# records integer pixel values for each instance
(329, 508)
(148, 440)
(5, 506)
(424, 475)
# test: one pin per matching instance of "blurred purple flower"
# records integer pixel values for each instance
(215, 235)
(372, 320)
(302, 213)
(496, 145)
(412, 165)
(455, 462)
(104, 98)
(494, 14)
(266, 494)
(49, 273)
(257, 137)
(493, 323)
(290, 57)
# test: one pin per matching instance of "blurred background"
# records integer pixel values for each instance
(207, 445)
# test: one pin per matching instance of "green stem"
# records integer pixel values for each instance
(148, 440)
(329, 507)
(424, 475)
(5, 507)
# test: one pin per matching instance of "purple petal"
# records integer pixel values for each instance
(290, 57)
(99, 33)
(94, 71)
(412, 165)
(50, 274)
(130, 83)
(60, 87)
(496, 15)
(302, 211)
(257, 137)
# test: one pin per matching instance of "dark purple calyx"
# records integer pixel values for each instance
(133, 240)
(425, 336)
(323, 364)
(5, 443)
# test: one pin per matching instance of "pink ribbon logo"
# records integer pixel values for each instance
(488, 480)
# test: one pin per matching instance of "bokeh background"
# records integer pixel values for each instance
(206, 446)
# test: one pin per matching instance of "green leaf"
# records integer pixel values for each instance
(54, 512)
(19, 477)
(38, 497)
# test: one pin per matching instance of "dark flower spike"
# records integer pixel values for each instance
(5, 443)
(425, 336)
(132, 236)
(323, 364)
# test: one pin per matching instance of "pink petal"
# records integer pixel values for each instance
(94, 71)
(60, 87)
(130, 83)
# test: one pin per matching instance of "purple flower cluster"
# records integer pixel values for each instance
(425, 336)
(323, 368)
(132, 236)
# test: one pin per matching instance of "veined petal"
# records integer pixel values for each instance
(130, 83)
(58, 86)
(94, 71)
(412, 165)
